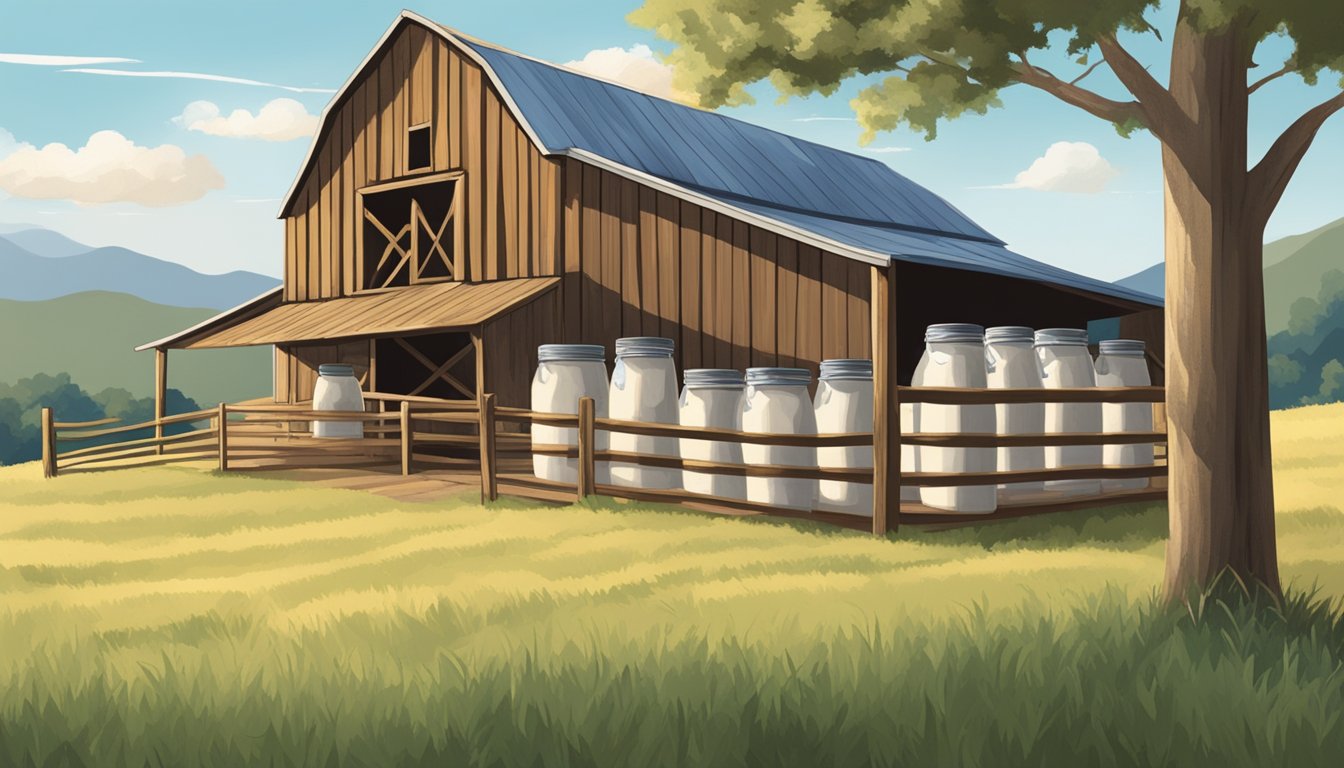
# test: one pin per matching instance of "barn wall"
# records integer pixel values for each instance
(510, 346)
(512, 200)
(296, 366)
(640, 262)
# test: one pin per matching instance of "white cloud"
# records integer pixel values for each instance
(8, 144)
(634, 67)
(109, 168)
(197, 76)
(48, 60)
(1067, 166)
(278, 120)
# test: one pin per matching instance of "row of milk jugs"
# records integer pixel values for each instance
(643, 387)
(966, 355)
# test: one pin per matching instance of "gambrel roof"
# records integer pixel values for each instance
(855, 206)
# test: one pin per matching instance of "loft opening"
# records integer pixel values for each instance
(419, 148)
(411, 232)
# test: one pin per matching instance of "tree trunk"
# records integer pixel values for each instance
(1221, 486)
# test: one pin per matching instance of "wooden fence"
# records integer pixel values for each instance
(486, 440)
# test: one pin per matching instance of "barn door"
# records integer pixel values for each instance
(411, 234)
(439, 365)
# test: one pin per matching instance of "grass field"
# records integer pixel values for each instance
(174, 617)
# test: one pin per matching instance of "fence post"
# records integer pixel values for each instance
(587, 441)
(406, 437)
(48, 444)
(489, 484)
(222, 419)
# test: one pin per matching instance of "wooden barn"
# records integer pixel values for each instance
(462, 204)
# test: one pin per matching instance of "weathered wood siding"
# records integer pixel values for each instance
(641, 262)
(512, 203)
(296, 366)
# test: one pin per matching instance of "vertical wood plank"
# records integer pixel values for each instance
(401, 59)
(632, 236)
(386, 125)
(669, 268)
(647, 261)
(587, 485)
(593, 288)
(808, 330)
(291, 256)
(441, 96)
(347, 199)
(478, 341)
(573, 280)
(538, 194)
(222, 420)
(860, 313)
(491, 226)
(508, 183)
(489, 482)
(416, 75)
(834, 307)
(723, 293)
(407, 438)
(550, 216)
(691, 298)
(160, 392)
(314, 249)
(763, 320)
(451, 96)
(786, 312)
(48, 443)
(472, 150)
(886, 403)
(742, 306)
(708, 279)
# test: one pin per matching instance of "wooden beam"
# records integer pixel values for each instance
(587, 448)
(160, 390)
(406, 438)
(478, 341)
(48, 444)
(886, 403)
(489, 482)
(223, 434)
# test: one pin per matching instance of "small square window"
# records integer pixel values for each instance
(418, 148)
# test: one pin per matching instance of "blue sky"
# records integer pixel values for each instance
(310, 45)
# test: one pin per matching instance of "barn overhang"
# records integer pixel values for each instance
(392, 312)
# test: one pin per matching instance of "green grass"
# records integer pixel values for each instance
(174, 617)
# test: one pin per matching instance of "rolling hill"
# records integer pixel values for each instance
(40, 264)
(91, 336)
(1293, 269)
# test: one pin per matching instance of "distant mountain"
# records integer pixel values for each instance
(45, 242)
(1293, 269)
(92, 337)
(39, 264)
(1152, 281)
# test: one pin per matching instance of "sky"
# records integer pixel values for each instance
(187, 159)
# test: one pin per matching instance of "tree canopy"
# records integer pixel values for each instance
(944, 58)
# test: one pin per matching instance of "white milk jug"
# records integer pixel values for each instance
(844, 403)
(337, 389)
(1121, 363)
(956, 359)
(565, 374)
(777, 402)
(1066, 363)
(712, 397)
(1010, 363)
(644, 388)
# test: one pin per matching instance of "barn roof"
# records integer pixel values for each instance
(852, 205)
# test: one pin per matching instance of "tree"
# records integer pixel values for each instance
(942, 59)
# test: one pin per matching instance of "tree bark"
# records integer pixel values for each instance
(1221, 485)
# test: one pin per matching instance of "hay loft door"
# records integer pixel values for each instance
(411, 232)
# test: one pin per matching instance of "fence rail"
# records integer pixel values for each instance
(465, 436)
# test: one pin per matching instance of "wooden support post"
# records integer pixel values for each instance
(489, 483)
(222, 419)
(406, 437)
(478, 342)
(160, 392)
(48, 444)
(587, 446)
(886, 404)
